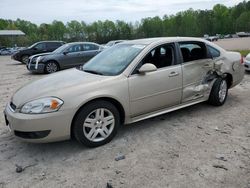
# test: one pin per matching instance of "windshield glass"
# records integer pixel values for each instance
(33, 45)
(110, 43)
(113, 60)
(61, 49)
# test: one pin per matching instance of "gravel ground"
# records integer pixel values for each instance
(199, 146)
(235, 43)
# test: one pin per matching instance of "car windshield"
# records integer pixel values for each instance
(114, 60)
(61, 49)
(33, 45)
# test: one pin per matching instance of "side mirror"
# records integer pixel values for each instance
(35, 48)
(65, 53)
(148, 67)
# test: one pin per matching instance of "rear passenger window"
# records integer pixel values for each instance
(214, 52)
(88, 47)
(53, 45)
(192, 51)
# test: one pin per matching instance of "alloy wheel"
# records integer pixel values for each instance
(98, 125)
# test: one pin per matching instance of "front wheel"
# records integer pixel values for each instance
(25, 59)
(219, 92)
(96, 124)
(51, 67)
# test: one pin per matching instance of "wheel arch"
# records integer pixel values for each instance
(113, 101)
(55, 61)
(229, 79)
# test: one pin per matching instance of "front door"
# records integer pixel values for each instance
(159, 89)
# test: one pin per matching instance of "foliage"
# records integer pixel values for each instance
(219, 20)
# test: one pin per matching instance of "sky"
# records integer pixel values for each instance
(45, 11)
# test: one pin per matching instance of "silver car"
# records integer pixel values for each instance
(67, 56)
(247, 62)
(129, 82)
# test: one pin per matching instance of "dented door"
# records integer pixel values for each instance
(196, 83)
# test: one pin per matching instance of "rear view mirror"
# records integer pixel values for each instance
(148, 67)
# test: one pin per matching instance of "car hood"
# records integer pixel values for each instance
(42, 54)
(57, 84)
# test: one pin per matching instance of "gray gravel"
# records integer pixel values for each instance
(199, 146)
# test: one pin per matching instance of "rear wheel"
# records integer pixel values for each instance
(96, 124)
(25, 59)
(51, 67)
(219, 92)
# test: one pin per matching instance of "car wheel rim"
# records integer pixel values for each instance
(51, 67)
(98, 125)
(223, 91)
(25, 59)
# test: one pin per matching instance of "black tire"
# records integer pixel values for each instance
(25, 59)
(214, 98)
(84, 113)
(51, 67)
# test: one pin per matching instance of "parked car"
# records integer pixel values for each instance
(126, 83)
(67, 56)
(37, 48)
(247, 62)
(112, 43)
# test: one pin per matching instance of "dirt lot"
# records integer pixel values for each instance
(199, 146)
(235, 43)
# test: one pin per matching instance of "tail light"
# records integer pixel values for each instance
(242, 60)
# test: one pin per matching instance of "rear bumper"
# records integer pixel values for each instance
(39, 128)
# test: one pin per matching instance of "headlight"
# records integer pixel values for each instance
(43, 105)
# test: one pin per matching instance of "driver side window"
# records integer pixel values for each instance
(161, 56)
(75, 48)
(40, 46)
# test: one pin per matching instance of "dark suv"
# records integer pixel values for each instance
(37, 48)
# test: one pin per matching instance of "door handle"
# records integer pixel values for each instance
(172, 74)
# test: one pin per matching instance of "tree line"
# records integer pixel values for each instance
(219, 20)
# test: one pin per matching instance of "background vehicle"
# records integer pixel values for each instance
(126, 83)
(247, 63)
(113, 42)
(39, 47)
(67, 56)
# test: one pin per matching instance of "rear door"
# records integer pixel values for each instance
(197, 66)
(159, 89)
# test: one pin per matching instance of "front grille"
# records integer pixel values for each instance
(12, 106)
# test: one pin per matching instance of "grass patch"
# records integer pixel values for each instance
(243, 52)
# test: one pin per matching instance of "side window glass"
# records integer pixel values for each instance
(40, 46)
(161, 56)
(192, 51)
(75, 48)
(214, 52)
(88, 47)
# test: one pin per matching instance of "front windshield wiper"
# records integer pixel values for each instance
(92, 71)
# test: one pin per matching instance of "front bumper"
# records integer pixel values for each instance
(247, 65)
(32, 67)
(39, 128)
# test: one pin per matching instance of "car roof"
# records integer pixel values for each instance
(148, 41)
(73, 43)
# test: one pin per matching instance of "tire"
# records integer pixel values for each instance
(51, 67)
(91, 129)
(25, 59)
(219, 92)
